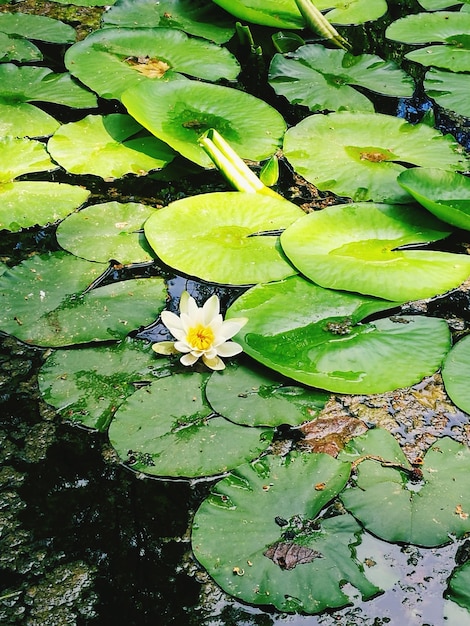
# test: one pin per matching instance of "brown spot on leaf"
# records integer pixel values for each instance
(288, 554)
(152, 68)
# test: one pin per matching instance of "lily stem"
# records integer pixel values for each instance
(318, 23)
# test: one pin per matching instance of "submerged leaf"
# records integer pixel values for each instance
(456, 374)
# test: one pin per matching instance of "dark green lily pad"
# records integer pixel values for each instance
(449, 90)
(212, 236)
(456, 374)
(87, 385)
(13, 48)
(259, 537)
(322, 342)
(391, 503)
(253, 398)
(351, 12)
(156, 436)
(109, 146)
(366, 152)
(43, 302)
(111, 230)
(36, 27)
(112, 60)
(322, 78)
(459, 586)
(362, 247)
(196, 17)
(446, 194)
(181, 111)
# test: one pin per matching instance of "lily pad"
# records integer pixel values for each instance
(156, 436)
(218, 237)
(353, 11)
(253, 398)
(112, 60)
(323, 343)
(87, 385)
(111, 230)
(196, 17)
(259, 537)
(398, 505)
(109, 146)
(13, 48)
(321, 78)
(36, 27)
(22, 156)
(459, 586)
(25, 120)
(366, 152)
(179, 112)
(363, 247)
(443, 193)
(456, 372)
(278, 14)
(449, 90)
(43, 302)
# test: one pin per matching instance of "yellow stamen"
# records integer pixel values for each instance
(200, 337)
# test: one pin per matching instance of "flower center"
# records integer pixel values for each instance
(200, 337)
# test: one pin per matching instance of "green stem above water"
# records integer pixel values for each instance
(318, 23)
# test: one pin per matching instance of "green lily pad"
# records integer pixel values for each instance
(321, 78)
(179, 112)
(14, 48)
(218, 237)
(449, 90)
(323, 343)
(111, 230)
(459, 586)
(247, 396)
(25, 120)
(22, 156)
(365, 153)
(36, 27)
(109, 146)
(362, 247)
(391, 503)
(353, 11)
(443, 193)
(259, 537)
(161, 438)
(456, 372)
(278, 13)
(112, 60)
(196, 17)
(436, 5)
(28, 203)
(87, 385)
(43, 302)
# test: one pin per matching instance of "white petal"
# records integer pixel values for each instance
(214, 364)
(210, 310)
(230, 348)
(182, 346)
(192, 310)
(164, 347)
(171, 320)
(184, 299)
(188, 359)
(231, 327)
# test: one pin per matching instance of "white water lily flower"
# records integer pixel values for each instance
(200, 332)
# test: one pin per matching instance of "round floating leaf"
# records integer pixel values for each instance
(28, 203)
(456, 373)
(13, 48)
(226, 237)
(163, 438)
(278, 13)
(363, 247)
(22, 156)
(246, 396)
(365, 153)
(112, 60)
(109, 146)
(320, 78)
(180, 111)
(43, 302)
(258, 535)
(87, 385)
(449, 90)
(459, 586)
(435, 5)
(323, 344)
(393, 505)
(353, 11)
(446, 194)
(25, 120)
(197, 17)
(107, 231)
(37, 27)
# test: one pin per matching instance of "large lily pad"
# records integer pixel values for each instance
(109, 146)
(218, 237)
(111, 230)
(180, 111)
(43, 302)
(87, 385)
(395, 505)
(37, 27)
(353, 11)
(449, 90)
(22, 156)
(365, 153)
(446, 194)
(259, 537)
(157, 436)
(363, 247)
(321, 78)
(13, 48)
(25, 120)
(322, 342)
(247, 396)
(459, 586)
(196, 17)
(112, 60)
(456, 374)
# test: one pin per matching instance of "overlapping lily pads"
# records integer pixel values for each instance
(449, 90)
(366, 153)
(456, 374)
(13, 48)
(285, 555)
(353, 12)
(224, 237)
(324, 343)
(363, 247)
(156, 436)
